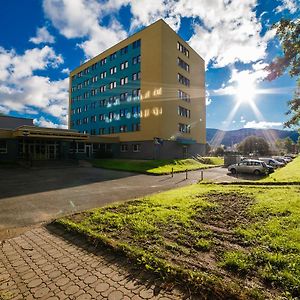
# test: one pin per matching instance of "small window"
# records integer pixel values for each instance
(124, 148)
(136, 148)
(3, 146)
(136, 44)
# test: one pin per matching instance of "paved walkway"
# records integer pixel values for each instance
(44, 265)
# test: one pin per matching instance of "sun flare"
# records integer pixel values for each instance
(245, 91)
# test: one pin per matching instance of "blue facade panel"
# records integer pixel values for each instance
(105, 97)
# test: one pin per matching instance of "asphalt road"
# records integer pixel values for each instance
(33, 196)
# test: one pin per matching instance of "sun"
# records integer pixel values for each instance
(245, 90)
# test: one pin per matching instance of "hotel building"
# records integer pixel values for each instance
(148, 91)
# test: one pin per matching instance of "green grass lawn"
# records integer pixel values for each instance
(224, 242)
(289, 173)
(158, 167)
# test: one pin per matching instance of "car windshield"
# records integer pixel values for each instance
(263, 164)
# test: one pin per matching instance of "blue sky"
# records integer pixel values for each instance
(41, 41)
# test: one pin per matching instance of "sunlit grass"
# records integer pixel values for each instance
(158, 167)
(190, 233)
(289, 173)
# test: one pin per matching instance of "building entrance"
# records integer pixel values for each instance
(39, 150)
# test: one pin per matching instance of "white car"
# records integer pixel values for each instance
(251, 166)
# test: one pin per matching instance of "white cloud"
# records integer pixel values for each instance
(66, 71)
(42, 122)
(290, 5)
(42, 36)
(207, 98)
(263, 125)
(242, 119)
(81, 19)
(23, 91)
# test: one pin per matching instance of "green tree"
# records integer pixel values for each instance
(288, 145)
(288, 33)
(219, 151)
(255, 145)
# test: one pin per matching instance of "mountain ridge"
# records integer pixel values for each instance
(217, 137)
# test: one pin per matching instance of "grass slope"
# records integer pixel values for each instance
(224, 242)
(289, 173)
(158, 167)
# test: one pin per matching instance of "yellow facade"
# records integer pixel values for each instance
(159, 86)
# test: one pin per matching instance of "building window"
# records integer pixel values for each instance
(94, 79)
(123, 97)
(136, 44)
(85, 108)
(124, 50)
(181, 63)
(123, 128)
(113, 85)
(113, 70)
(78, 122)
(184, 96)
(112, 100)
(93, 92)
(102, 103)
(103, 61)
(79, 86)
(111, 115)
(78, 110)
(85, 120)
(93, 105)
(184, 128)
(101, 117)
(86, 70)
(123, 80)
(136, 94)
(79, 74)
(183, 49)
(113, 56)
(183, 112)
(86, 82)
(123, 112)
(101, 130)
(102, 88)
(85, 95)
(135, 111)
(123, 147)
(136, 147)
(135, 127)
(94, 66)
(93, 131)
(136, 76)
(136, 60)
(103, 75)
(124, 65)
(3, 146)
(93, 119)
(111, 130)
(183, 80)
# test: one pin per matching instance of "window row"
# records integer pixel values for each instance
(183, 49)
(117, 129)
(135, 147)
(183, 80)
(122, 113)
(136, 44)
(3, 146)
(184, 96)
(184, 128)
(181, 63)
(135, 95)
(102, 75)
(184, 112)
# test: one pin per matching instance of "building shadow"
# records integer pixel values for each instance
(17, 181)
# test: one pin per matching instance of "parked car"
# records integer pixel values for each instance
(251, 166)
(272, 162)
(280, 159)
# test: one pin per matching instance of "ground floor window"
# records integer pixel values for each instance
(123, 147)
(3, 146)
(136, 147)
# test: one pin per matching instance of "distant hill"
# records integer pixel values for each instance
(216, 137)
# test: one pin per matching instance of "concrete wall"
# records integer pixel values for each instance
(168, 150)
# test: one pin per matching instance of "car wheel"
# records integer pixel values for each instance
(256, 172)
(233, 171)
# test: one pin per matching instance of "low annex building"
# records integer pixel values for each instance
(21, 140)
